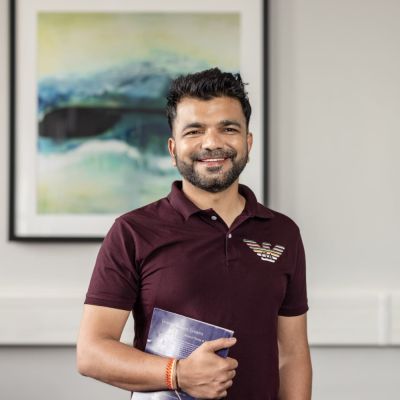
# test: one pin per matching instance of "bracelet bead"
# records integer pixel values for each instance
(169, 373)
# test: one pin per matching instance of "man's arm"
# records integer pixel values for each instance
(295, 369)
(102, 356)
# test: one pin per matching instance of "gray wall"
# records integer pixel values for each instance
(334, 140)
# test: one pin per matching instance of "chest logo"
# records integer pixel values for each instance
(264, 251)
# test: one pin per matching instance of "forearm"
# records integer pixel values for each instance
(295, 377)
(120, 365)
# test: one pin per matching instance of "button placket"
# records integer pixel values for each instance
(228, 237)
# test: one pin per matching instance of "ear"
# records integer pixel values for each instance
(171, 149)
(249, 139)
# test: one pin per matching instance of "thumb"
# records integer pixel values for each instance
(218, 344)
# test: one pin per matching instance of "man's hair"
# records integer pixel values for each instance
(206, 85)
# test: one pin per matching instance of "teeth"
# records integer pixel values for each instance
(214, 159)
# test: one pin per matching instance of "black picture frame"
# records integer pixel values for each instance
(15, 140)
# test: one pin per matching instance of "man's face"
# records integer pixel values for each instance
(211, 144)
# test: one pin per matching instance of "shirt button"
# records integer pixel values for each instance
(230, 235)
(213, 217)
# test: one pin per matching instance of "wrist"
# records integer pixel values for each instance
(176, 377)
(180, 374)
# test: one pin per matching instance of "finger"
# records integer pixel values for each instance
(228, 384)
(222, 394)
(232, 363)
(222, 391)
(228, 376)
(218, 344)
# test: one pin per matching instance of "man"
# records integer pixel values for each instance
(208, 251)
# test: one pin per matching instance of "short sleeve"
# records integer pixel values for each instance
(295, 301)
(114, 282)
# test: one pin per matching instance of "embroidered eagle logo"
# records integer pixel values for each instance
(264, 251)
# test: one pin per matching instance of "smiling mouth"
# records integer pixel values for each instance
(213, 161)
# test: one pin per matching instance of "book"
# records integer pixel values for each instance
(176, 336)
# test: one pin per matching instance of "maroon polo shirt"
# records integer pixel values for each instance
(172, 255)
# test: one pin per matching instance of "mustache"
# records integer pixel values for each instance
(228, 153)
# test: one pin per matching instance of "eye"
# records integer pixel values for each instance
(230, 129)
(192, 133)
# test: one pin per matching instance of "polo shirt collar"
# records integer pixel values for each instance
(184, 206)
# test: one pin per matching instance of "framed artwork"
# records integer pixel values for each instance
(88, 85)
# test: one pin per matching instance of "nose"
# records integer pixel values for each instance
(212, 140)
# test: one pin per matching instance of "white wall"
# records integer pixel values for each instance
(334, 134)
(335, 106)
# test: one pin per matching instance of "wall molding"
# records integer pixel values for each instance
(44, 320)
(335, 318)
(351, 318)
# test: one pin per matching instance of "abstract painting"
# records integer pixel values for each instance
(103, 77)
(89, 81)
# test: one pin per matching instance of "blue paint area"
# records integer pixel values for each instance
(110, 170)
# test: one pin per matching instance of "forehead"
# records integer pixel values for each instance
(191, 109)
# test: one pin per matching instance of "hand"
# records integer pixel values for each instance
(207, 375)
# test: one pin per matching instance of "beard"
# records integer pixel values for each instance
(215, 181)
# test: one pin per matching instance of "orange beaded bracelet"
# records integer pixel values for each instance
(169, 373)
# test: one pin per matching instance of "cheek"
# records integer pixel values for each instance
(184, 150)
(241, 146)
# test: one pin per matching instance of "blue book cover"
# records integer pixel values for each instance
(174, 335)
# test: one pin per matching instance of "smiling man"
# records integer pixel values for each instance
(208, 251)
(218, 164)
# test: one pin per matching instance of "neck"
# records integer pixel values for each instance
(228, 204)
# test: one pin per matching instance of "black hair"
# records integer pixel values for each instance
(207, 85)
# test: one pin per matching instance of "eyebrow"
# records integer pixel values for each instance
(225, 122)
